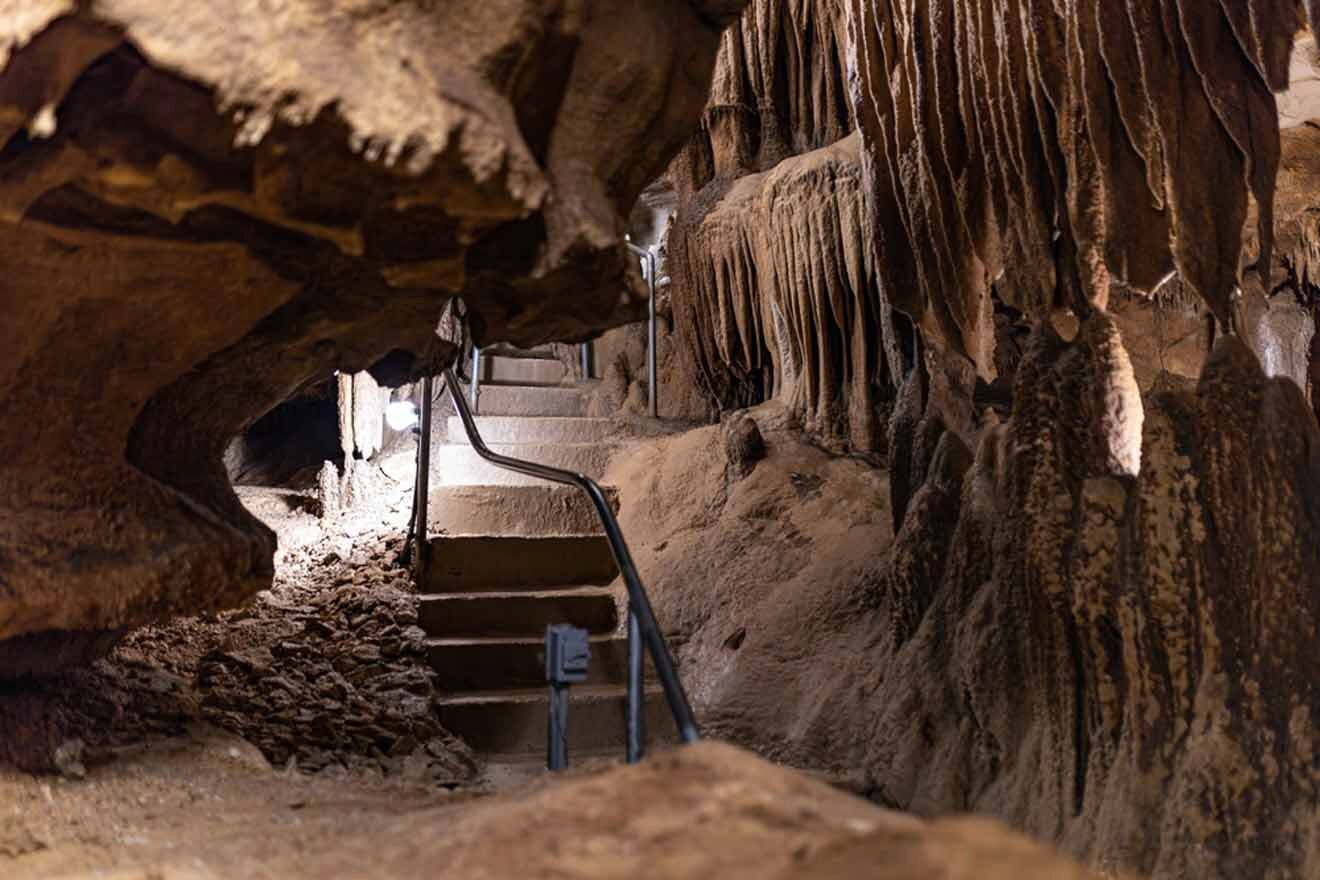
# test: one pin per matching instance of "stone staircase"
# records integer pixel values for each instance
(509, 556)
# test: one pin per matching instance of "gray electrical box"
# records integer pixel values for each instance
(567, 654)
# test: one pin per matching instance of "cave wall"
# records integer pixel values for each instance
(194, 229)
(1113, 644)
(1096, 618)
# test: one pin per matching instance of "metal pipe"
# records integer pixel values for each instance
(636, 703)
(475, 387)
(586, 360)
(648, 255)
(651, 401)
(638, 602)
(422, 558)
(556, 757)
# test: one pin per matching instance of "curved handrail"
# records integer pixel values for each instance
(639, 605)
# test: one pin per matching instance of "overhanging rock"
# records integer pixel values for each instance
(203, 209)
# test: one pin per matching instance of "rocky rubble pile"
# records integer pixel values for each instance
(345, 682)
(325, 670)
(329, 668)
(60, 724)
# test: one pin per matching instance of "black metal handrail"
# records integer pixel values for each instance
(642, 626)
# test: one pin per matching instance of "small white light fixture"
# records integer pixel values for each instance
(401, 415)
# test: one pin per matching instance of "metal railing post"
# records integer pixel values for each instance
(636, 703)
(651, 394)
(639, 604)
(422, 558)
(475, 388)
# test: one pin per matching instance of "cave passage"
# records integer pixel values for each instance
(951, 370)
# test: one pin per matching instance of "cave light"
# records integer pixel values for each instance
(401, 415)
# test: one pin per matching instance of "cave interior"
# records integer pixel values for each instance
(950, 370)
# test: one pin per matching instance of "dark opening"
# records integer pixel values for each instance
(287, 445)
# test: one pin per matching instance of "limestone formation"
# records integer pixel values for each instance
(995, 139)
(1145, 619)
(1121, 665)
(778, 292)
(774, 289)
(1052, 262)
(1065, 146)
(1100, 624)
(208, 206)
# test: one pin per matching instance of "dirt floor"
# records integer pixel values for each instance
(207, 806)
(298, 718)
(204, 803)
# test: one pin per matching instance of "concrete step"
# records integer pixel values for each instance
(483, 663)
(514, 721)
(493, 563)
(506, 370)
(536, 429)
(457, 465)
(506, 772)
(515, 510)
(501, 349)
(530, 400)
(522, 613)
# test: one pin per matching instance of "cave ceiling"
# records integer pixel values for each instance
(207, 206)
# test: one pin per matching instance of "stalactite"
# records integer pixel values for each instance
(776, 288)
(778, 297)
(1068, 144)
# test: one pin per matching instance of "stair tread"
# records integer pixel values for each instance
(449, 535)
(522, 354)
(495, 383)
(509, 538)
(505, 356)
(547, 488)
(592, 591)
(539, 695)
(489, 421)
(511, 641)
(480, 416)
(557, 444)
(509, 592)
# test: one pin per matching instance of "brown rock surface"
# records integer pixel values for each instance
(1066, 144)
(1077, 627)
(1116, 661)
(1005, 155)
(206, 208)
(774, 284)
(327, 671)
(704, 811)
(775, 295)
